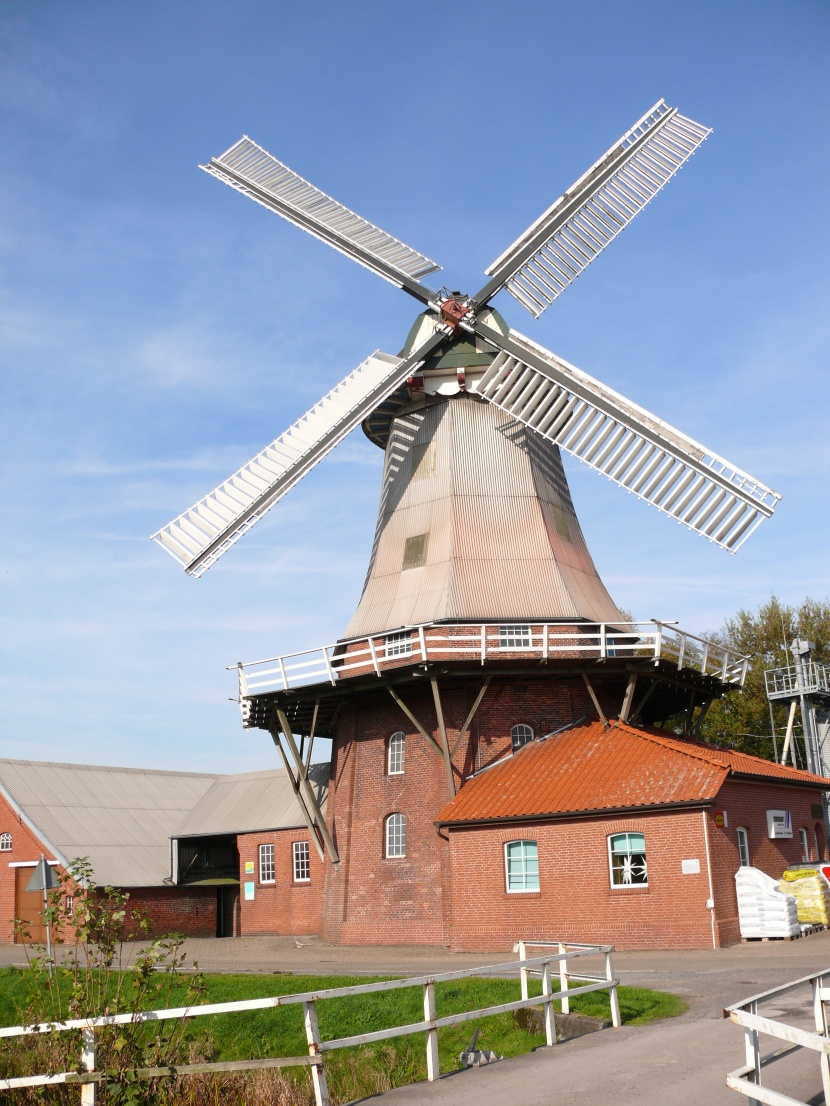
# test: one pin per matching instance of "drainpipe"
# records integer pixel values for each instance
(710, 902)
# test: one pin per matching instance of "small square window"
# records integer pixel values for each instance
(302, 862)
(398, 645)
(415, 551)
(521, 863)
(266, 864)
(514, 637)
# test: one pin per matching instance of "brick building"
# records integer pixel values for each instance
(180, 843)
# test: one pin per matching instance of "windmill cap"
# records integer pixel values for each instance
(463, 351)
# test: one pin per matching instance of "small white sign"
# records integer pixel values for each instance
(779, 823)
(690, 867)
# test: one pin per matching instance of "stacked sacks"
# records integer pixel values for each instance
(764, 910)
(812, 894)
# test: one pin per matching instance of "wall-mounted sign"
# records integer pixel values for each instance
(249, 867)
(721, 821)
(779, 823)
(249, 891)
(690, 867)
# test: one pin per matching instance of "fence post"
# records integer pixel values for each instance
(547, 989)
(318, 1072)
(616, 1020)
(433, 1070)
(752, 1046)
(522, 947)
(821, 1027)
(563, 979)
(89, 1091)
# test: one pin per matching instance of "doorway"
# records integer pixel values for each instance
(29, 908)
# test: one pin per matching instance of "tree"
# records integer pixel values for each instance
(741, 720)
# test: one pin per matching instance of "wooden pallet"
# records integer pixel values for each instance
(807, 931)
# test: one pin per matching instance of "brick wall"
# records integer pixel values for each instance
(187, 910)
(406, 900)
(576, 901)
(284, 906)
(25, 848)
(746, 804)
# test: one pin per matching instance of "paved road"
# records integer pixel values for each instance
(681, 1062)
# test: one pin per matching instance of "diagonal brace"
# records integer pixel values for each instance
(415, 722)
(471, 715)
(308, 790)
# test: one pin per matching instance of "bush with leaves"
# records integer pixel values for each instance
(95, 970)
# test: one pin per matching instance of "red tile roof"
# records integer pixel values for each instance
(593, 768)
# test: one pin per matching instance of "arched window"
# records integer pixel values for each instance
(394, 759)
(5, 842)
(520, 735)
(627, 858)
(521, 866)
(743, 847)
(395, 836)
(805, 844)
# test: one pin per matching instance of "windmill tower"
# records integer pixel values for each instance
(483, 622)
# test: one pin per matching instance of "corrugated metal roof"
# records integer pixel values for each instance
(504, 540)
(594, 768)
(120, 818)
(251, 801)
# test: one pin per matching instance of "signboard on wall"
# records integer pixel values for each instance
(249, 891)
(779, 824)
(249, 867)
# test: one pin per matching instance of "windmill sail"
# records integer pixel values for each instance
(199, 536)
(626, 443)
(256, 173)
(563, 241)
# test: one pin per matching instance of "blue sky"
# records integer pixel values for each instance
(158, 329)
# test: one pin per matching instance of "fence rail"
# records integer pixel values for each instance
(488, 642)
(747, 1080)
(89, 1076)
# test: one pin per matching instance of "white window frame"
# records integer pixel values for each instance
(6, 841)
(301, 861)
(395, 754)
(743, 847)
(515, 636)
(524, 889)
(266, 863)
(527, 735)
(805, 844)
(611, 854)
(394, 833)
(69, 905)
(398, 644)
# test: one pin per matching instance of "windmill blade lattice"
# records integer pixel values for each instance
(625, 442)
(552, 252)
(200, 535)
(257, 174)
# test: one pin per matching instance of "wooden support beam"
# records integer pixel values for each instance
(701, 714)
(629, 696)
(309, 821)
(789, 735)
(471, 715)
(442, 729)
(415, 722)
(307, 760)
(308, 790)
(636, 713)
(595, 701)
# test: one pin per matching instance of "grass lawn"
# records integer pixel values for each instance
(366, 1070)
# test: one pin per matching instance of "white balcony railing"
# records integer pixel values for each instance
(808, 678)
(488, 642)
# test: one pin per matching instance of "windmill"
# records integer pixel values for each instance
(617, 438)
(482, 606)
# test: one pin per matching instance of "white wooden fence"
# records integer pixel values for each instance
(747, 1080)
(89, 1076)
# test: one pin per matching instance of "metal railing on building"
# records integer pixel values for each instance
(491, 642)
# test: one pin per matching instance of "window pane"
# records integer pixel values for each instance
(396, 750)
(396, 835)
(302, 866)
(520, 735)
(522, 865)
(399, 644)
(266, 863)
(514, 637)
(628, 860)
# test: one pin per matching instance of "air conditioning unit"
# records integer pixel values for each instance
(779, 823)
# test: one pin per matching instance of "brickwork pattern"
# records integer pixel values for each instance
(285, 906)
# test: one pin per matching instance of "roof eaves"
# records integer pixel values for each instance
(562, 815)
(31, 825)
